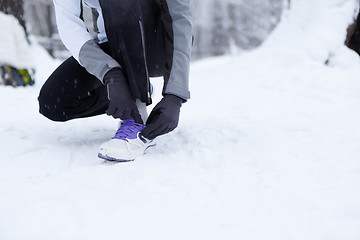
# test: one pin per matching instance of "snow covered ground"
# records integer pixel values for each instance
(268, 148)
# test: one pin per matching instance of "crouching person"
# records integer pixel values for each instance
(136, 39)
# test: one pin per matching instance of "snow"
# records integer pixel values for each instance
(267, 148)
(15, 50)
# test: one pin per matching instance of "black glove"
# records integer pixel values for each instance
(164, 118)
(122, 104)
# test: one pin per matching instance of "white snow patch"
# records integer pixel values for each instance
(267, 148)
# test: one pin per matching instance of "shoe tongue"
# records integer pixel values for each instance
(131, 122)
(128, 130)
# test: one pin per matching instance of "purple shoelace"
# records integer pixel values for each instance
(128, 130)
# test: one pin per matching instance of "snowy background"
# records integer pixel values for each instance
(220, 26)
(267, 148)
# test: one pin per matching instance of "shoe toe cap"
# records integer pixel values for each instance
(119, 149)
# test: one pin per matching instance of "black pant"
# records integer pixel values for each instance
(71, 92)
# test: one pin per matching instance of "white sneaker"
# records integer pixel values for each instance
(127, 144)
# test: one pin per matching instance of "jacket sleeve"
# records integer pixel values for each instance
(178, 38)
(73, 33)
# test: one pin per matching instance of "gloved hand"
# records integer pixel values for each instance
(122, 104)
(164, 118)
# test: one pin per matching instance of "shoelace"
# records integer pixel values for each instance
(128, 130)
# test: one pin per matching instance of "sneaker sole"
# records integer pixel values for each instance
(111, 159)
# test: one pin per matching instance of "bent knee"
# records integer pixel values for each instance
(50, 108)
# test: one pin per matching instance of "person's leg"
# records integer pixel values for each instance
(71, 92)
(135, 36)
(154, 37)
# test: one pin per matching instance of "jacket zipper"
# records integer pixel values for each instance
(148, 94)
